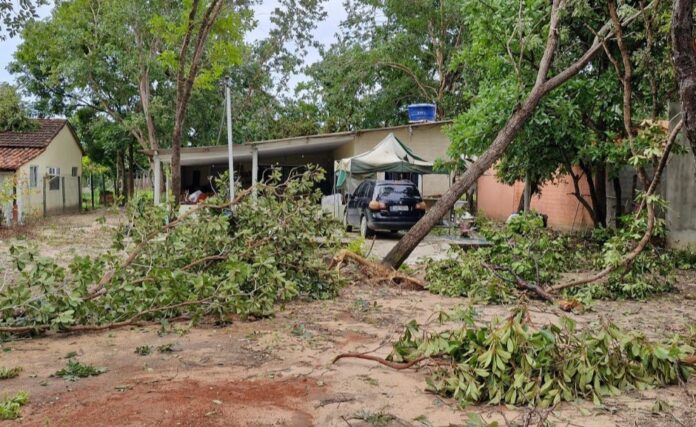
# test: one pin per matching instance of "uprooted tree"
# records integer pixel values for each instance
(543, 85)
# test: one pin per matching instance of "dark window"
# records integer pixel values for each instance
(360, 190)
(33, 176)
(74, 171)
(397, 191)
(370, 190)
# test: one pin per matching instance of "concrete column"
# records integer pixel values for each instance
(157, 180)
(254, 169)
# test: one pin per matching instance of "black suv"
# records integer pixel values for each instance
(383, 206)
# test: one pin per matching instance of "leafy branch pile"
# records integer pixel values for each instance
(509, 362)
(522, 251)
(212, 261)
(525, 255)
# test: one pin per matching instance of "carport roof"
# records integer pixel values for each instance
(277, 147)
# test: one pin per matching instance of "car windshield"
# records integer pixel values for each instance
(396, 191)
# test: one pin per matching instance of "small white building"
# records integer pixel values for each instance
(40, 171)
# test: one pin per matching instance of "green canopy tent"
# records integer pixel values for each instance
(390, 155)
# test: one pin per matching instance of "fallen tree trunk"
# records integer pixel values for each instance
(507, 134)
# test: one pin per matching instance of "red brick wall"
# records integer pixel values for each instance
(498, 201)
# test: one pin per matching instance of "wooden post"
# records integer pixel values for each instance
(91, 187)
(79, 194)
(44, 196)
(62, 189)
(103, 192)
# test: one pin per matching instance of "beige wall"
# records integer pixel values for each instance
(426, 141)
(64, 153)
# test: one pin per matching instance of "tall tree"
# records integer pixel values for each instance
(14, 14)
(389, 54)
(684, 51)
(196, 58)
(575, 60)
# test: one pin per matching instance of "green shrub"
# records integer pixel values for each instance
(10, 406)
(75, 370)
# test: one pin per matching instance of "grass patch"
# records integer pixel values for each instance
(10, 406)
(75, 370)
(7, 373)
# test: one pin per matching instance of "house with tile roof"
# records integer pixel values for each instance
(41, 168)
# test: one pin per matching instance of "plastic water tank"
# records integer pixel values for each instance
(421, 112)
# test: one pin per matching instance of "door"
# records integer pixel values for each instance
(353, 206)
(365, 198)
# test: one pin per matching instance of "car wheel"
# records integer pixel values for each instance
(365, 231)
(346, 226)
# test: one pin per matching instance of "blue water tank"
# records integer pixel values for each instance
(421, 112)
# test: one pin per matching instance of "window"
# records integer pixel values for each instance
(74, 171)
(360, 191)
(53, 178)
(33, 176)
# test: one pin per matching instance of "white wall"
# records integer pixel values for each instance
(64, 153)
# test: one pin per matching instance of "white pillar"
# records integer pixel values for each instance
(230, 158)
(254, 169)
(157, 179)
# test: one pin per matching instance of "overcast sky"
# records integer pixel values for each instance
(324, 32)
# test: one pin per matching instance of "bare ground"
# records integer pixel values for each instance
(278, 371)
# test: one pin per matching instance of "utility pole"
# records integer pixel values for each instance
(228, 101)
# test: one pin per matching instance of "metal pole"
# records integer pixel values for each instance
(228, 102)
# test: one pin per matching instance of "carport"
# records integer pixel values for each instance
(252, 160)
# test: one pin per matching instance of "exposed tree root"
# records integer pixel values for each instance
(387, 363)
(376, 272)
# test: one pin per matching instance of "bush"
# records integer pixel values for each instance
(651, 273)
(521, 249)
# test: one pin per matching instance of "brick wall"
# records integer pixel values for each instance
(498, 201)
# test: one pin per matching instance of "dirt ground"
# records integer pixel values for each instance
(278, 371)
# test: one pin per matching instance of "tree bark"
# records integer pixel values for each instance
(684, 61)
(131, 169)
(185, 80)
(578, 194)
(519, 117)
(123, 181)
(618, 208)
